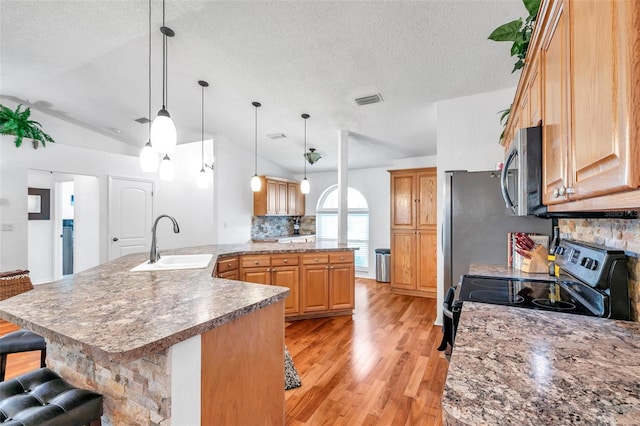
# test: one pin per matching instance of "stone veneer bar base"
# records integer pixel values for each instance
(136, 392)
(237, 379)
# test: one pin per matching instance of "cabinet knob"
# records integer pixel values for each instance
(341, 257)
(286, 260)
(316, 259)
(562, 190)
(326, 267)
(255, 262)
(556, 193)
(114, 238)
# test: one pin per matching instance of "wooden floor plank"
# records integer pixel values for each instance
(384, 361)
(379, 367)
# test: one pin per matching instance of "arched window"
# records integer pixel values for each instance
(358, 222)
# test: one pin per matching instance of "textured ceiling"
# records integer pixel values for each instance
(86, 61)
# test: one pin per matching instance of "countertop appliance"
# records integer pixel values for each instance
(476, 223)
(592, 281)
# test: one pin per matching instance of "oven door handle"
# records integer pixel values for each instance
(504, 185)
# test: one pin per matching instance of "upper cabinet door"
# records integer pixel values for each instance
(403, 200)
(603, 160)
(555, 116)
(427, 196)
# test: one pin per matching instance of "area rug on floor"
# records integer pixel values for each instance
(291, 378)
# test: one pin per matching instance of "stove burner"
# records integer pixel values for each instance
(500, 297)
(557, 305)
(500, 284)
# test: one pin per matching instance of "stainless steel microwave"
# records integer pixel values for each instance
(521, 178)
(521, 181)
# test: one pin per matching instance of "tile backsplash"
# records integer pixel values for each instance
(616, 233)
(273, 226)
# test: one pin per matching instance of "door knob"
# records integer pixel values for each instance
(114, 239)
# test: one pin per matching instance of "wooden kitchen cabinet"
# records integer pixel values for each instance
(278, 197)
(315, 288)
(285, 272)
(320, 283)
(555, 132)
(281, 270)
(413, 198)
(341, 281)
(584, 55)
(413, 230)
(328, 282)
(295, 199)
(227, 267)
(603, 158)
(413, 266)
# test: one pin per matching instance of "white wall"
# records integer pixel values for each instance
(374, 184)
(468, 132)
(86, 251)
(203, 218)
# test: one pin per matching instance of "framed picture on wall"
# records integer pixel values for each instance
(38, 203)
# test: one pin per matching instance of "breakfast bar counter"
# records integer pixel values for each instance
(146, 340)
(530, 367)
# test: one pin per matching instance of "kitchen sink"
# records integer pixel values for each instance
(183, 261)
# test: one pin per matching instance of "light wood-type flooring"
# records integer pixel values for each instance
(379, 367)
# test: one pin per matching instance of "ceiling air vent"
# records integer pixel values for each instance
(371, 99)
(142, 120)
(276, 136)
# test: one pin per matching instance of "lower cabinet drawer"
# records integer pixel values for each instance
(316, 258)
(285, 260)
(253, 261)
(227, 264)
(341, 257)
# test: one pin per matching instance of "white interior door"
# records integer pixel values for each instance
(130, 216)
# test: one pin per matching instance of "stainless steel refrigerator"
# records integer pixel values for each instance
(476, 223)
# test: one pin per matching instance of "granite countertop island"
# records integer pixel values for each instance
(109, 318)
(513, 366)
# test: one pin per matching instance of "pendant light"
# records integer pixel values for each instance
(148, 155)
(305, 187)
(167, 170)
(163, 131)
(256, 183)
(203, 180)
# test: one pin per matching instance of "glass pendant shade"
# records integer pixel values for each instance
(203, 179)
(305, 187)
(149, 159)
(256, 183)
(167, 170)
(163, 133)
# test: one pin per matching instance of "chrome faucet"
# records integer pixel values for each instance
(154, 256)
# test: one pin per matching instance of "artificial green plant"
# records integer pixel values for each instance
(519, 32)
(16, 123)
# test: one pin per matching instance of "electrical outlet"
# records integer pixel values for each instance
(7, 226)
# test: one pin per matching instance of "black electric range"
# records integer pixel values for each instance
(592, 281)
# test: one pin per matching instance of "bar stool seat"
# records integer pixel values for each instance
(43, 398)
(21, 341)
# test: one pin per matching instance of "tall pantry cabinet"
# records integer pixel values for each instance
(413, 231)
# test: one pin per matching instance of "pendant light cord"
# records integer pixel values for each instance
(149, 70)
(305, 148)
(164, 59)
(202, 136)
(256, 143)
